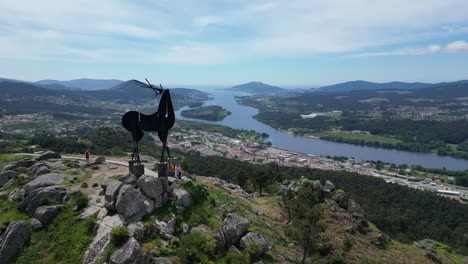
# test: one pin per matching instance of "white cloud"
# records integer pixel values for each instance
(130, 31)
(454, 47)
(207, 20)
(458, 46)
(110, 30)
(192, 54)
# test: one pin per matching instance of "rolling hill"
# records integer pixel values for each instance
(82, 84)
(256, 88)
(21, 97)
(364, 85)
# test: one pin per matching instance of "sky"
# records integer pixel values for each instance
(294, 43)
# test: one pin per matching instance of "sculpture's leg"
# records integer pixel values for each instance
(162, 151)
(137, 154)
(168, 153)
(134, 151)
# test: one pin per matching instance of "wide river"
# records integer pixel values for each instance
(241, 117)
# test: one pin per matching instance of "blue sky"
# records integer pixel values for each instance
(300, 43)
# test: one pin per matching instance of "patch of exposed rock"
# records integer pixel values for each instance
(102, 238)
(43, 181)
(48, 155)
(13, 239)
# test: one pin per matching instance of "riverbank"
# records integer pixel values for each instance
(242, 118)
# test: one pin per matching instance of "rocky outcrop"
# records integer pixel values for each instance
(354, 207)
(254, 238)
(41, 196)
(165, 230)
(17, 195)
(150, 186)
(24, 163)
(102, 238)
(130, 203)
(426, 244)
(112, 188)
(137, 230)
(7, 175)
(75, 164)
(44, 180)
(46, 214)
(341, 198)
(129, 253)
(182, 198)
(13, 239)
(234, 228)
(36, 224)
(129, 178)
(48, 155)
(99, 160)
(216, 235)
(328, 189)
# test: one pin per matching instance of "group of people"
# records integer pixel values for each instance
(177, 171)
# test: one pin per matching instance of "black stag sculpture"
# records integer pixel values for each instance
(160, 122)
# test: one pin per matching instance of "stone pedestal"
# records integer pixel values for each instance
(162, 169)
(135, 168)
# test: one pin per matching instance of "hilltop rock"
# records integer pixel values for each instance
(216, 235)
(13, 239)
(149, 205)
(112, 188)
(6, 176)
(234, 228)
(17, 195)
(341, 198)
(427, 244)
(164, 229)
(43, 181)
(137, 230)
(102, 238)
(129, 178)
(75, 164)
(150, 186)
(59, 165)
(129, 253)
(256, 238)
(318, 189)
(328, 189)
(99, 160)
(24, 163)
(46, 214)
(48, 155)
(354, 207)
(42, 170)
(40, 196)
(36, 224)
(130, 203)
(182, 198)
(89, 211)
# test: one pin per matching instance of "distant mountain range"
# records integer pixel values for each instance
(22, 97)
(364, 85)
(83, 84)
(78, 84)
(256, 88)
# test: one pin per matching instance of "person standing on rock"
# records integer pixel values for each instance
(87, 155)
